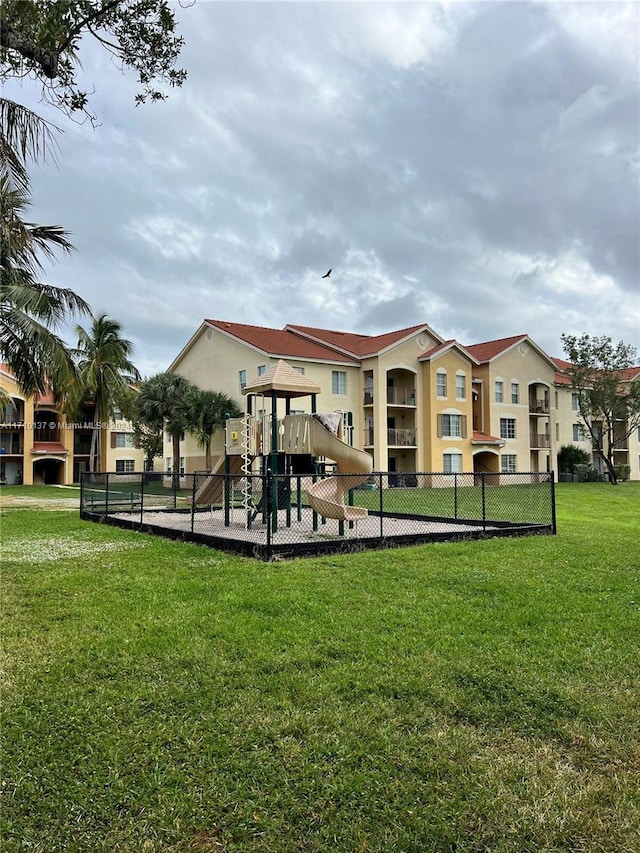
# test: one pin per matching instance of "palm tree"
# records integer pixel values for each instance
(159, 406)
(30, 311)
(105, 371)
(204, 412)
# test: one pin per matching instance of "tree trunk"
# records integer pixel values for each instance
(92, 450)
(207, 456)
(175, 468)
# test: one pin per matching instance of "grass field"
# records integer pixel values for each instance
(480, 696)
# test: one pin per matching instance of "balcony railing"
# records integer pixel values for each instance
(540, 441)
(401, 396)
(368, 396)
(539, 407)
(401, 437)
(368, 437)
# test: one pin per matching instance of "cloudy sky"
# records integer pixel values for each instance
(473, 166)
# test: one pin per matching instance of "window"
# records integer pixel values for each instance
(117, 414)
(452, 426)
(557, 432)
(339, 382)
(452, 463)
(122, 439)
(125, 466)
(262, 368)
(499, 391)
(507, 427)
(170, 466)
(300, 370)
(441, 383)
(556, 399)
(167, 464)
(578, 432)
(242, 376)
(461, 386)
(575, 402)
(508, 463)
(515, 393)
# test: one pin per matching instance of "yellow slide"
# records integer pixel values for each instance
(210, 492)
(327, 496)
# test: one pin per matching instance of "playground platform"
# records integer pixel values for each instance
(270, 518)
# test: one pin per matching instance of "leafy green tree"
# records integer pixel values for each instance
(30, 310)
(608, 401)
(571, 455)
(160, 408)
(105, 371)
(44, 38)
(146, 438)
(204, 412)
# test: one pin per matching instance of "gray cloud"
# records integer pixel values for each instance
(470, 166)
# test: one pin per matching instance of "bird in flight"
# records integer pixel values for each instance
(327, 274)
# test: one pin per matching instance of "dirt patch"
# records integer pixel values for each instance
(22, 502)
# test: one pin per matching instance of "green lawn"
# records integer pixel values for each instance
(477, 696)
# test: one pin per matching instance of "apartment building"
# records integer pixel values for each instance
(571, 429)
(40, 445)
(414, 401)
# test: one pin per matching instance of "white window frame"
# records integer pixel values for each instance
(441, 384)
(242, 379)
(508, 463)
(508, 425)
(448, 464)
(339, 383)
(515, 393)
(461, 386)
(128, 466)
(498, 390)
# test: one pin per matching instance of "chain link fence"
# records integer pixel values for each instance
(267, 516)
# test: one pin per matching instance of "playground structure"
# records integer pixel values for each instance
(294, 444)
(301, 488)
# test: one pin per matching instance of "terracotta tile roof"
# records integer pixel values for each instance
(490, 349)
(49, 447)
(482, 438)
(561, 379)
(280, 342)
(351, 342)
(560, 363)
(443, 347)
(630, 374)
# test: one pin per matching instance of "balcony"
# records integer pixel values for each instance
(540, 441)
(368, 438)
(401, 397)
(539, 407)
(368, 397)
(401, 437)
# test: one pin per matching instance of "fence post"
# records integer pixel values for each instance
(455, 494)
(193, 502)
(141, 498)
(82, 473)
(380, 493)
(484, 505)
(267, 497)
(106, 497)
(552, 483)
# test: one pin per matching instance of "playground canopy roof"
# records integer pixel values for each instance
(284, 381)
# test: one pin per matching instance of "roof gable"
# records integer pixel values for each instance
(357, 344)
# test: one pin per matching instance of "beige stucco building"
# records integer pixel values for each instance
(415, 402)
(40, 445)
